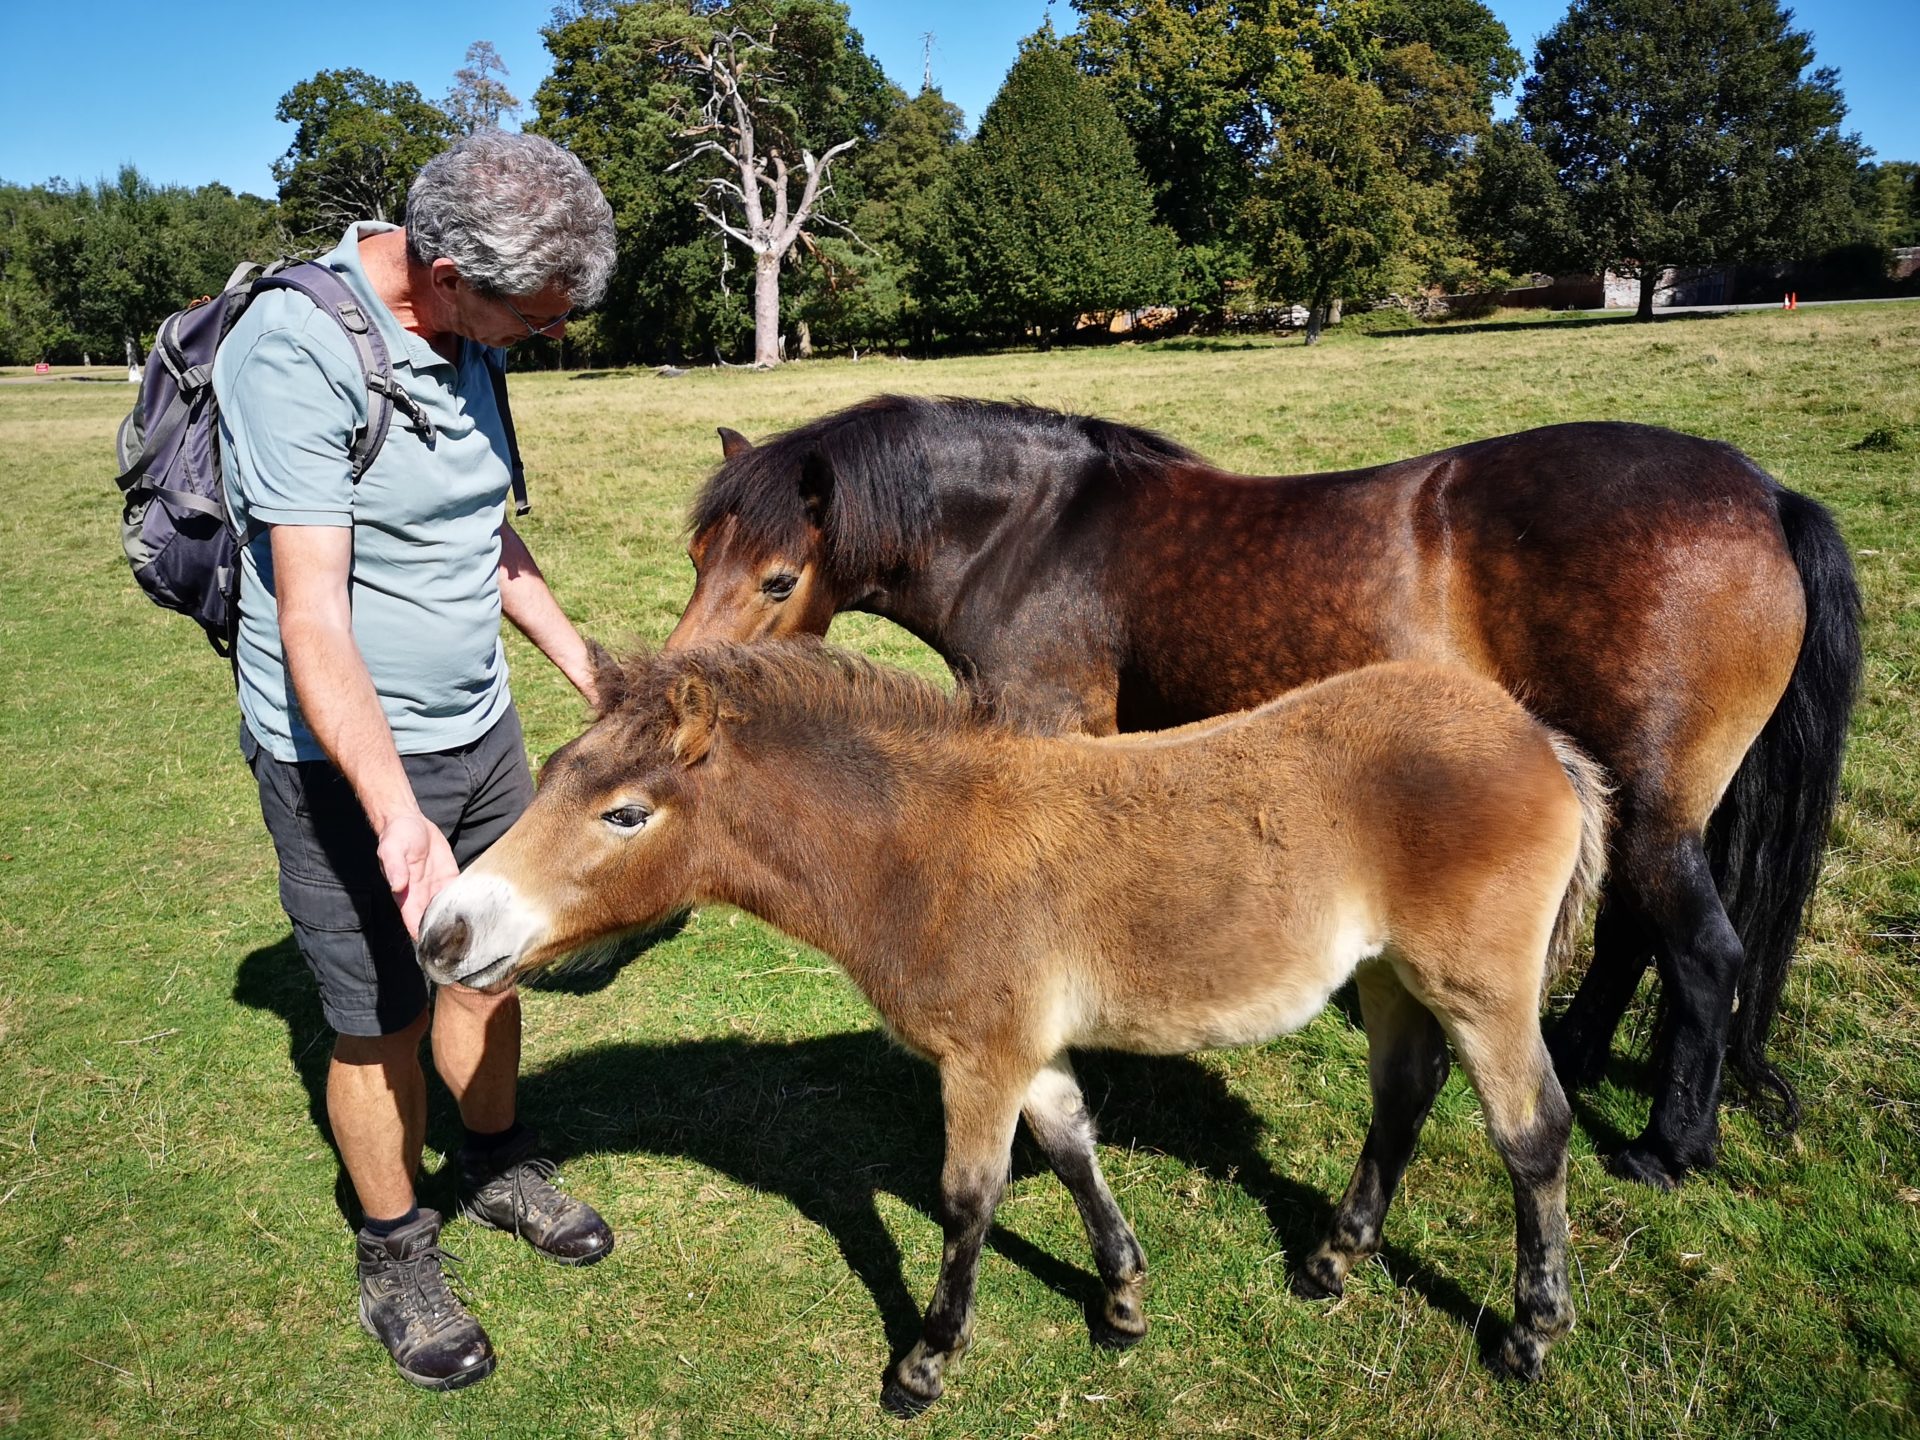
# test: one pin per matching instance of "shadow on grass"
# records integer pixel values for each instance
(1221, 344)
(834, 1122)
(276, 979)
(1557, 322)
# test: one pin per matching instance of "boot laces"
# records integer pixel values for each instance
(534, 1192)
(425, 1274)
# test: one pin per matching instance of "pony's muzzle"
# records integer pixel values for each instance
(475, 932)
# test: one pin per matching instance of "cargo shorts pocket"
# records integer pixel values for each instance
(359, 952)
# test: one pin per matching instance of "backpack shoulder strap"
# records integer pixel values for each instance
(385, 394)
(497, 369)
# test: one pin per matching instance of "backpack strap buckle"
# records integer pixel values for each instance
(390, 387)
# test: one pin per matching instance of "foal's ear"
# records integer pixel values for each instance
(609, 680)
(698, 711)
(816, 488)
(733, 443)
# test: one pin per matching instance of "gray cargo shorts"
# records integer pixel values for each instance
(345, 919)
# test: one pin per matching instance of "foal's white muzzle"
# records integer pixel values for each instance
(475, 932)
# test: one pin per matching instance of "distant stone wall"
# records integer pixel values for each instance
(1906, 263)
(1695, 285)
(1558, 292)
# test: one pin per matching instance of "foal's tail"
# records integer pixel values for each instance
(1765, 840)
(1590, 787)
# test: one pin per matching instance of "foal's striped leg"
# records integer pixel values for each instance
(1529, 1120)
(982, 1103)
(1057, 1114)
(1406, 1065)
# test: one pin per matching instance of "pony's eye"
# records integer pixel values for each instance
(780, 586)
(627, 817)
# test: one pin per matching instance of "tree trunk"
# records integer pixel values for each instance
(806, 340)
(766, 310)
(1649, 282)
(1316, 317)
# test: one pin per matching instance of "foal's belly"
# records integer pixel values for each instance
(1237, 1000)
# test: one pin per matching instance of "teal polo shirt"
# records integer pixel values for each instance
(425, 517)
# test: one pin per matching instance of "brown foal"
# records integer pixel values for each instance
(1001, 898)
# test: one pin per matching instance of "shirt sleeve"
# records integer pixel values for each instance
(288, 412)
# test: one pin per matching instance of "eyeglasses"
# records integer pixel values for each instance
(545, 327)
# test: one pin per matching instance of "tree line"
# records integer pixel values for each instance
(1212, 160)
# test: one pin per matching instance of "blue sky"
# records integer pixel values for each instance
(187, 93)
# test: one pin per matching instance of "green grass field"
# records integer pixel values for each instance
(172, 1256)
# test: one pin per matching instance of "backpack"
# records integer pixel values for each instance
(173, 525)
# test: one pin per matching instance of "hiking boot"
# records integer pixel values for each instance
(512, 1189)
(405, 1303)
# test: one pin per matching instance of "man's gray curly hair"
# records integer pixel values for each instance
(516, 213)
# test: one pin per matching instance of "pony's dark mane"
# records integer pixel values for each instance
(878, 454)
(798, 676)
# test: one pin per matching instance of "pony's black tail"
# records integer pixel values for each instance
(1766, 839)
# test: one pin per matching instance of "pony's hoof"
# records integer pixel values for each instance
(904, 1404)
(1321, 1278)
(1521, 1356)
(1639, 1163)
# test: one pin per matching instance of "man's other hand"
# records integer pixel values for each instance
(417, 862)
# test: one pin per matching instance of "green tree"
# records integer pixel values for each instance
(358, 143)
(480, 99)
(1197, 84)
(1204, 85)
(94, 269)
(1045, 215)
(31, 329)
(1332, 205)
(1438, 114)
(1888, 196)
(1674, 135)
(1461, 33)
(858, 291)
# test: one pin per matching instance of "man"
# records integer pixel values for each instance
(373, 687)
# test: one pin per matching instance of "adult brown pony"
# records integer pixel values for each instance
(1686, 620)
(1001, 898)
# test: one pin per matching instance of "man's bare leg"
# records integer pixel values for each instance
(476, 1049)
(377, 1105)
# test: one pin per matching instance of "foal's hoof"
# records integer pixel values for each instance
(903, 1403)
(1323, 1277)
(1119, 1325)
(1521, 1356)
(1640, 1163)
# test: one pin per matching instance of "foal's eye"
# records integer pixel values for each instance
(780, 586)
(627, 817)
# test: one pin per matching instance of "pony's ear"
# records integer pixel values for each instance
(697, 710)
(609, 680)
(816, 488)
(733, 443)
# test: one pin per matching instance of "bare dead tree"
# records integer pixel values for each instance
(769, 221)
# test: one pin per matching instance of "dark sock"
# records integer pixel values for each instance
(484, 1143)
(382, 1229)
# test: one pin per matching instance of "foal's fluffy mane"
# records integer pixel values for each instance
(879, 455)
(796, 676)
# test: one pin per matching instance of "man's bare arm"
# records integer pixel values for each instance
(337, 699)
(529, 604)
